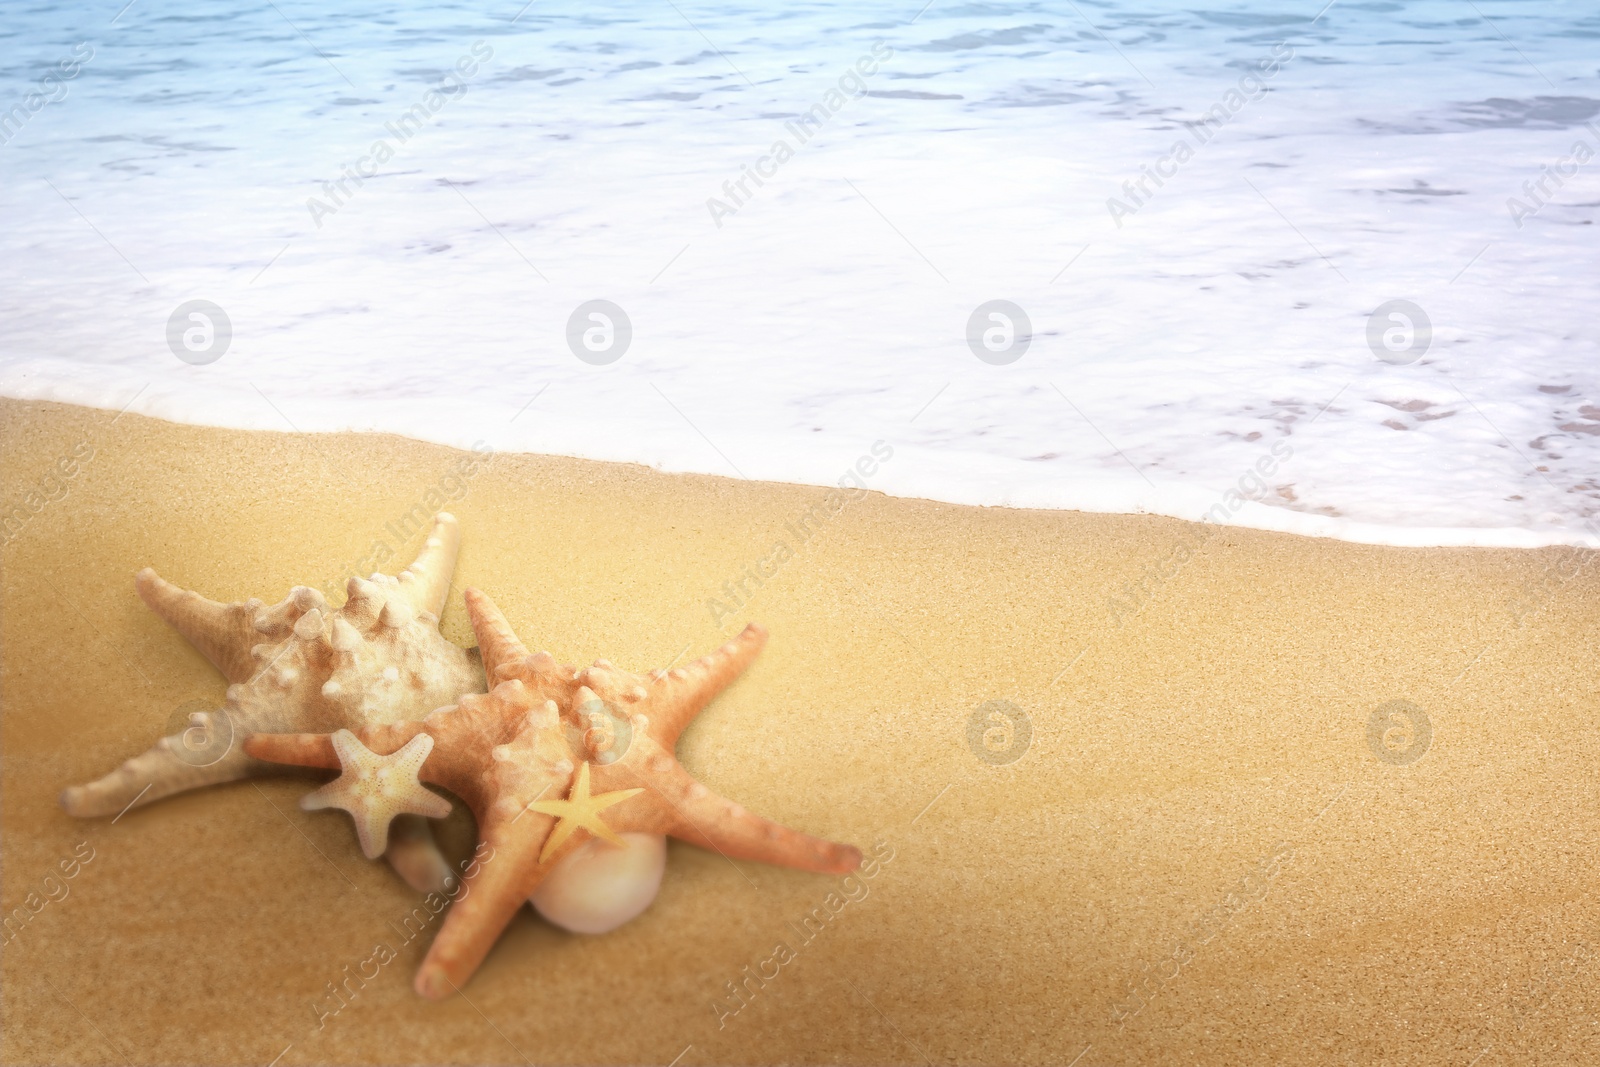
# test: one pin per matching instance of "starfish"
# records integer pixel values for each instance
(504, 751)
(301, 666)
(375, 789)
(580, 811)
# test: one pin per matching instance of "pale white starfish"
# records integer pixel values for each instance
(374, 789)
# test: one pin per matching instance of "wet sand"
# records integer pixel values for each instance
(1146, 791)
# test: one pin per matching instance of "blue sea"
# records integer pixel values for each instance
(1326, 268)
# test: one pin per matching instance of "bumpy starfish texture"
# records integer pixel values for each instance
(300, 665)
(510, 752)
(376, 789)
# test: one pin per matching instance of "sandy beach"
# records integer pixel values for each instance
(1140, 791)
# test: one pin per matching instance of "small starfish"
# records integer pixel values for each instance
(503, 751)
(374, 789)
(580, 811)
(301, 665)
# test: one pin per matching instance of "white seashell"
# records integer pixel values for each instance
(599, 886)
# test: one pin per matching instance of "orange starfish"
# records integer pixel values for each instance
(539, 733)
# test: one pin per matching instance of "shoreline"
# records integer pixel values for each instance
(919, 475)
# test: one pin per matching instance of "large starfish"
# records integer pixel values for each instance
(512, 753)
(301, 666)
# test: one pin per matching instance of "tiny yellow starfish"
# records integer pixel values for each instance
(374, 789)
(579, 811)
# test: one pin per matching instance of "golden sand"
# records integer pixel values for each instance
(1204, 850)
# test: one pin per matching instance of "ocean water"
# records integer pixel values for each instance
(1324, 269)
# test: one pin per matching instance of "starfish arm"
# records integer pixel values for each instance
(373, 820)
(598, 826)
(299, 750)
(372, 830)
(506, 877)
(461, 776)
(563, 832)
(415, 855)
(497, 642)
(679, 695)
(426, 583)
(223, 633)
(165, 768)
(317, 750)
(713, 822)
(674, 803)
